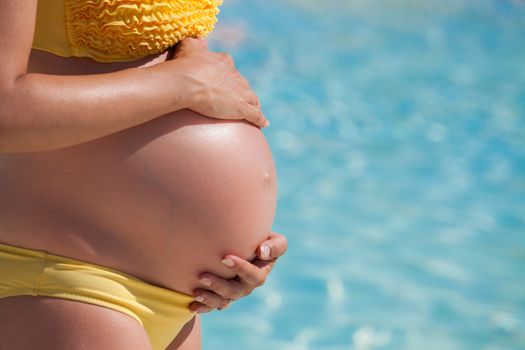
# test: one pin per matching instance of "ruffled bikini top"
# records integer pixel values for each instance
(120, 30)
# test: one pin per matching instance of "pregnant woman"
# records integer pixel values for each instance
(136, 187)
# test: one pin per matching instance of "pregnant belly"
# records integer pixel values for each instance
(165, 200)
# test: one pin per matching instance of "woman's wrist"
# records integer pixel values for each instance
(188, 90)
(208, 83)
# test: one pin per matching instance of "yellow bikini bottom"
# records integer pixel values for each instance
(162, 312)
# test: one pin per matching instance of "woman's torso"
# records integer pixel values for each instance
(164, 200)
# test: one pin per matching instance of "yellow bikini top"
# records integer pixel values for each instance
(120, 30)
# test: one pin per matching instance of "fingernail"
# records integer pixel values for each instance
(199, 299)
(265, 251)
(228, 262)
(205, 281)
(267, 124)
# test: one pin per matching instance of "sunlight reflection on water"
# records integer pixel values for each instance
(398, 131)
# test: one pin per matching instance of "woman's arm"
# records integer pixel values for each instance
(42, 112)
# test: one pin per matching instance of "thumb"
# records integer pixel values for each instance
(189, 45)
(275, 246)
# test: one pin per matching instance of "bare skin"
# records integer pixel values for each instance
(175, 182)
(49, 111)
(89, 170)
(217, 292)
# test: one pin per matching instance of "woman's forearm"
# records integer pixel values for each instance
(41, 112)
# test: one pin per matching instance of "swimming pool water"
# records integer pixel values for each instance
(398, 131)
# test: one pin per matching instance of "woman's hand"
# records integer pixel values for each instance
(216, 89)
(217, 293)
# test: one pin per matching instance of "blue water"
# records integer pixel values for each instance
(398, 132)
